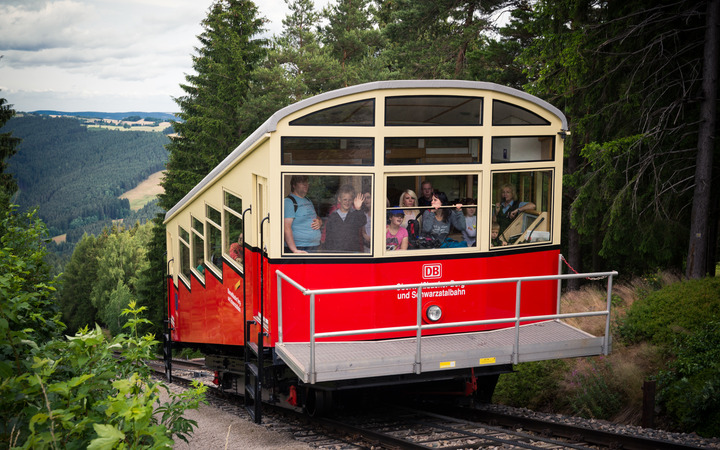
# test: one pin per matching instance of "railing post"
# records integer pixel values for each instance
(516, 353)
(559, 286)
(279, 308)
(606, 338)
(313, 375)
(418, 349)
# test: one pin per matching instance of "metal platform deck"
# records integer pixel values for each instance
(351, 360)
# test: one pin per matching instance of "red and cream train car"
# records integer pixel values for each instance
(287, 265)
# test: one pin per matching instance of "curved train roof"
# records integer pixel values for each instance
(270, 125)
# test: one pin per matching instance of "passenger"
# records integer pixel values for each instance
(236, 253)
(495, 239)
(367, 229)
(469, 233)
(200, 266)
(396, 236)
(301, 225)
(426, 189)
(408, 199)
(343, 228)
(507, 209)
(437, 222)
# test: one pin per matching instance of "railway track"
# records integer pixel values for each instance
(427, 426)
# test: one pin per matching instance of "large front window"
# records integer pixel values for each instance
(327, 214)
(521, 208)
(431, 212)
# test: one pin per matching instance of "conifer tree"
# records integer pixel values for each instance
(211, 128)
(8, 147)
(354, 41)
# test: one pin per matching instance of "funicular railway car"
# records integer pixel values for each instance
(398, 233)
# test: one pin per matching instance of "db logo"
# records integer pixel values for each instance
(432, 271)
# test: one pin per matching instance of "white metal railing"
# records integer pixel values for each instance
(419, 326)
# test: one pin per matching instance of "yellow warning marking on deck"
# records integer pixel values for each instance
(447, 364)
(487, 360)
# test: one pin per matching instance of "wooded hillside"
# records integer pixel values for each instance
(75, 175)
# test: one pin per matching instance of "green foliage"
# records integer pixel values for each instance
(78, 394)
(72, 392)
(689, 389)
(681, 308)
(533, 385)
(8, 147)
(28, 315)
(103, 277)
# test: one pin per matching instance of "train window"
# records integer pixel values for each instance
(436, 150)
(515, 149)
(324, 151)
(509, 114)
(433, 110)
(522, 207)
(184, 252)
(197, 245)
(233, 228)
(327, 214)
(214, 241)
(411, 214)
(360, 113)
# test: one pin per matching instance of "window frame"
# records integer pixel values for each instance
(549, 214)
(194, 235)
(226, 243)
(183, 242)
(425, 124)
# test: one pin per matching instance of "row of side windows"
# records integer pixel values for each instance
(219, 234)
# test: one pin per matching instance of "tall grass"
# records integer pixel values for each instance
(606, 387)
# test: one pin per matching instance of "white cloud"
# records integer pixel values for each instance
(109, 55)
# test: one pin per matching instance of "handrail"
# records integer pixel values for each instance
(419, 326)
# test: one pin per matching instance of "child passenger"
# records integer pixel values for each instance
(469, 233)
(343, 230)
(495, 239)
(396, 236)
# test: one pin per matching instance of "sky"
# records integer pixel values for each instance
(103, 55)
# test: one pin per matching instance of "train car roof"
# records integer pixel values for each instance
(270, 125)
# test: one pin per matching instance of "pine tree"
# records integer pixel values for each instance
(8, 147)
(211, 127)
(230, 49)
(354, 41)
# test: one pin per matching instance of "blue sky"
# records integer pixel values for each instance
(103, 55)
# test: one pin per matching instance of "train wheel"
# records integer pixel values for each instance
(317, 402)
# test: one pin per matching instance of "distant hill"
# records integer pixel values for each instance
(76, 175)
(106, 115)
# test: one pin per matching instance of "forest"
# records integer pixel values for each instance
(637, 81)
(74, 175)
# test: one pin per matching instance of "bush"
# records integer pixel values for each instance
(72, 392)
(689, 390)
(533, 385)
(679, 308)
(78, 395)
